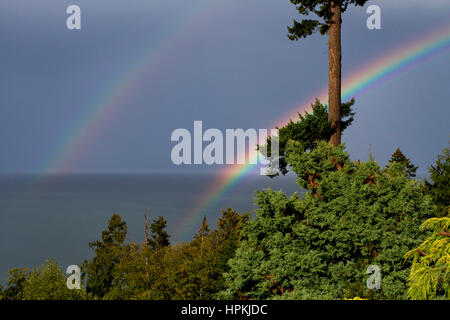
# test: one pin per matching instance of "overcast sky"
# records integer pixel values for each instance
(225, 62)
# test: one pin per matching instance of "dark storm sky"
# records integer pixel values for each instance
(233, 67)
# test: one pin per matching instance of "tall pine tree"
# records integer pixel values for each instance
(108, 253)
(329, 13)
(159, 238)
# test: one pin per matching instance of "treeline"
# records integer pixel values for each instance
(355, 214)
(320, 246)
(153, 269)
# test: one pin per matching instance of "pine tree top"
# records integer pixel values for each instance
(404, 163)
(321, 9)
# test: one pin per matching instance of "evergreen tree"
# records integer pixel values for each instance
(320, 246)
(430, 272)
(132, 276)
(203, 261)
(308, 129)
(439, 188)
(229, 234)
(405, 164)
(108, 253)
(329, 13)
(195, 270)
(203, 231)
(16, 280)
(159, 238)
(143, 271)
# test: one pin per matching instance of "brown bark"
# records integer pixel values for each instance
(444, 234)
(334, 72)
(421, 252)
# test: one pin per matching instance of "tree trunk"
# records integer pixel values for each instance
(334, 72)
(145, 249)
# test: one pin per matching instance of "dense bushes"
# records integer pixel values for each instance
(319, 247)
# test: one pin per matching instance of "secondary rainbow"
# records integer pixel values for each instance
(122, 88)
(368, 76)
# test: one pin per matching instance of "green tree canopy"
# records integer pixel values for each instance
(322, 10)
(430, 272)
(191, 270)
(405, 164)
(320, 246)
(48, 282)
(308, 129)
(159, 238)
(439, 187)
(108, 253)
(16, 281)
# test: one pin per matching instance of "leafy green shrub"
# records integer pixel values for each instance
(48, 282)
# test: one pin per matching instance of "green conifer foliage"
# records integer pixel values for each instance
(430, 272)
(439, 188)
(108, 253)
(321, 9)
(199, 265)
(159, 238)
(191, 270)
(405, 164)
(16, 280)
(320, 246)
(310, 128)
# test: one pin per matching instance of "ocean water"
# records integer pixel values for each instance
(56, 216)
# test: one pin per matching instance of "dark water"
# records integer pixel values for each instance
(57, 216)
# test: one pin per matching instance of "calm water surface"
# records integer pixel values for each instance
(57, 216)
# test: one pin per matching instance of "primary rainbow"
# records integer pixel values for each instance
(353, 85)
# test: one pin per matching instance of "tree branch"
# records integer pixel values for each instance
(444, 234)
(421, 252)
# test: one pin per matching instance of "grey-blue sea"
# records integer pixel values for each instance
(56, 216)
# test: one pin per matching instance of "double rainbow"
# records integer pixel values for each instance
(124, 86)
